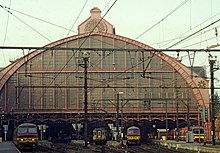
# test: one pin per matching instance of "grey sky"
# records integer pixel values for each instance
(131, 18)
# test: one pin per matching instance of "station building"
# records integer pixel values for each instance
(125, 78)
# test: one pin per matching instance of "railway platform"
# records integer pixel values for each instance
(8, 147)
(198, 147)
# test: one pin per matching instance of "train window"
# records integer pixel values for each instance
(99, 133)
(198, 131)
(22, 130)
(134, 131)
(32, 130)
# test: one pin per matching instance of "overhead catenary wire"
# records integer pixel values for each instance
(189, 36)
(42, 20)
(120, 76)
(166, 16)
(77, 18)
(109, 49)
(6, 31)
(211, 18)
(93, 30)
(80, 47)
(201, 41)
(172, 39)
(122, 49)
(98, 23)
(193, 44)
(184, 34)
(26, 24)
(199, 25)
(194, 33)
(106, 5)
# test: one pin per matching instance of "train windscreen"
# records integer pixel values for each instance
(134, 131)
(22, 130)
(198, 131)
(32, 130)
(27, 130)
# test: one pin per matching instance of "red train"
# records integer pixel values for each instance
(198, 134)
(133, 135)
(26, 136)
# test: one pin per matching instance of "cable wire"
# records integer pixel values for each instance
(6, 31)
(77, 17)
(194, 27)
(194, 33)
(26, 24)
(58, 73)
(179, 6)
(85, 39)
(40, 19)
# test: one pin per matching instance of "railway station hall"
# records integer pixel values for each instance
(104, 80)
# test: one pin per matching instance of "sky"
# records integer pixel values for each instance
(162, 24)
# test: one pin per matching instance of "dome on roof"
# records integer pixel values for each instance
(95, 10)
(95, 23)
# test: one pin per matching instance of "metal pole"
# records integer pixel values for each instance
(5, 135)
(177, 120)
(188, 123)
(86, 100)
(177, 112)
(117, 114)
(122, 125)
(212, 62)
(166, 116)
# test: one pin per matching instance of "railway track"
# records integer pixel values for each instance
(154, 148)
(74, 148)
(140, 149)
(45, 149)
(80, 148)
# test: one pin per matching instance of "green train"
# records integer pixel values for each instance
(100, 136)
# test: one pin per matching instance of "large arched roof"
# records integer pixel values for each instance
(200, 94)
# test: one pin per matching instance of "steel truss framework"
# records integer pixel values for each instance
(49, 79)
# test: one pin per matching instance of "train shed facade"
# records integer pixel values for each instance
(50, 80)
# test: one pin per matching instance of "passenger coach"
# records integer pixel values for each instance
(26, 136)
(133, 135)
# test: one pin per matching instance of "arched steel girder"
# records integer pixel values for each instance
(200, 95)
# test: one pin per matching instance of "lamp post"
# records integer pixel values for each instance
(117, 115)
(155, 130)
(86, 59)
(177, 111)
(212, 104)
(122, 124)
(188, 122)
(166, 117)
